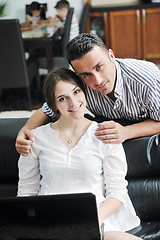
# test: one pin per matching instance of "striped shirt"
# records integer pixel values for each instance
(137, 93)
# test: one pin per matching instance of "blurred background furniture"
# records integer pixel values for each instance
(16, 71)
(143, 158)
(40, 37)
(9, 129)
(138, 22)
(83, 18)
(60, 60)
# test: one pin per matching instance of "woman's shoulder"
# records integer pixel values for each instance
(101, 144)
(92, 129)
(41, 129)
(94, 124)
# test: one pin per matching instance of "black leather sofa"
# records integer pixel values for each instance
(143, 157)
(9, 129)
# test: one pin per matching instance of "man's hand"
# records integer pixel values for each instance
(25, 137)
(111, 132)
(24, 141)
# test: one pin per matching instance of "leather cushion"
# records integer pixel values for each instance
(9, 129)
(148, 230)
(143, 156)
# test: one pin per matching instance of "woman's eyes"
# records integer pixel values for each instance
(62, 99)
(77, 91)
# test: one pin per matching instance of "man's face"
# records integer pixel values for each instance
(97, 69)
(62, 12)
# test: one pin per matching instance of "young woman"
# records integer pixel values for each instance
(66, 157)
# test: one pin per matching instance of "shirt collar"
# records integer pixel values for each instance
(119, 81)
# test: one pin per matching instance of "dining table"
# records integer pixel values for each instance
(40, 37)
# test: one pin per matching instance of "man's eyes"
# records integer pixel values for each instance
(98, 67)
(85, 75)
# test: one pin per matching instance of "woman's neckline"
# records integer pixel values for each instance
(70, 141)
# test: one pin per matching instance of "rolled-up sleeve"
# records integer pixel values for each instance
(115, 170)
(153, 100)
(29, 175)
(46, 109)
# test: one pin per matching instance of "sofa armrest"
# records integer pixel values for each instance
(9, 128)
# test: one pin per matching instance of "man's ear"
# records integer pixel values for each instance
(111, 55)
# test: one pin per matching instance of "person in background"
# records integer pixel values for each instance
(62, 7)
(67, 158)
(37, 14)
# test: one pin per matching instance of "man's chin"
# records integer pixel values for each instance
(103, 92)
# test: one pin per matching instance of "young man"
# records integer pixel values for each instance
(116, 89)
(59, 20)
(62, 7)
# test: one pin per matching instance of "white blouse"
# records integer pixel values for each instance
(91, 166)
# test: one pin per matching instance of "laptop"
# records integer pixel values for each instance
(49, 217)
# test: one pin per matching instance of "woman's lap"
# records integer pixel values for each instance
(116, 235)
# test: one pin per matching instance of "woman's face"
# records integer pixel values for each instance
(70, 100)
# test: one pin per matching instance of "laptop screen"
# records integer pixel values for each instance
(65, 217)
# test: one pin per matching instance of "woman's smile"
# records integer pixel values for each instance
(75, 109)
(70, 100)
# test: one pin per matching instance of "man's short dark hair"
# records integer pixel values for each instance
(62, 4)
(82, 44)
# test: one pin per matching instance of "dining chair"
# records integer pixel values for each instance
(83, 18)
(15, 70)
(60, 60)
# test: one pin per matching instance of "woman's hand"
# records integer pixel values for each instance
(106, 208)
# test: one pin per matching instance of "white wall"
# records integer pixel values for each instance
(16, 8)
